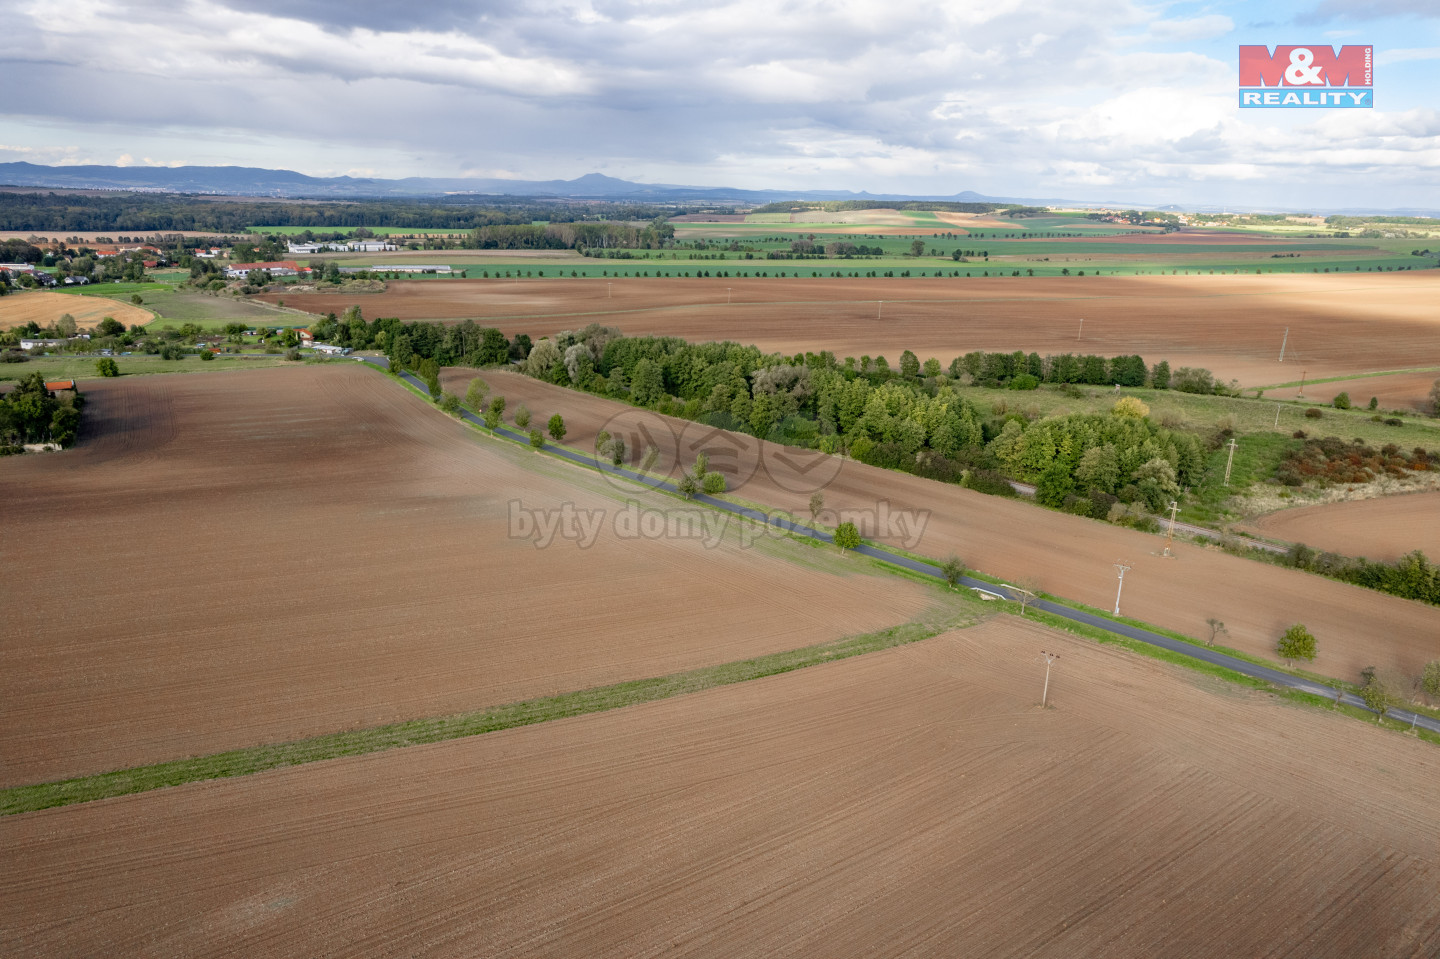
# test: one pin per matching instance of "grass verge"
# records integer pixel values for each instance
(946, 615)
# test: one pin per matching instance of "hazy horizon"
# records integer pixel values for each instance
(1091, 99)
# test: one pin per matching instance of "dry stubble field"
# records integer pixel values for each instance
(910, 802)
(45, 308)
(258, 556)
(1065, 555)
(1232, 324)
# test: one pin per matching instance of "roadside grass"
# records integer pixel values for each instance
(947, 613)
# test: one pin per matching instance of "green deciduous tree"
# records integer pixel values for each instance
(847, 536)
(537, 439)
(1296, 643)
(952, 569)
(556, 426)
(475, 394)
(1430, 679)
(522, 416)
(106, 366)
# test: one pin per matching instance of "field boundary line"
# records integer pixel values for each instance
(426, 731)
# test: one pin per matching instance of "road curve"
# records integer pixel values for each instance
(782, 520)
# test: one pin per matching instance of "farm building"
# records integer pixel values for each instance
(240, 271)
(32, 344)
(58, 386)
(371, 246)
(330, 349)
(306, 337)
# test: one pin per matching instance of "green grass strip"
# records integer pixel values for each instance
(417, 732)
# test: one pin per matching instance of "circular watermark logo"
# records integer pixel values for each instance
(798, 470)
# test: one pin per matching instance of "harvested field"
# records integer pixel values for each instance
(251, 557)
(1231, 324)
(1066, 555)
(1399, 391)
(909, 802)
(45, 308)
(1380, 529)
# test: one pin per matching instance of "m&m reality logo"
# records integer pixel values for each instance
(1310, 76)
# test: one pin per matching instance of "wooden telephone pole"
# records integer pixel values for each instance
(1229, 460)
(1170, 537)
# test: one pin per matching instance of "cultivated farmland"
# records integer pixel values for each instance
(45, 308)
(1233, 324)
(1381, 529)
(1066, 555)
(910, 802)
(251, 557)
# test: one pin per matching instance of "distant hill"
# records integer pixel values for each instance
(258, 182)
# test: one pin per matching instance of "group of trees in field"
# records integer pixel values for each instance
(32, 414)
(1025, 371)
(912, 417)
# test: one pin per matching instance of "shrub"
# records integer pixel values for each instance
(522, 416)
(1130, 406)
(1313, 413)
(207, 354)
(1341, 401)
(537, 439)
(1296, 643)
(450, 403)
(952, 569)
(714, 483)
(1025, 382)
(294, 354)
(106, 366)
(1430, 679)
(1394, 421)
(1374, 402)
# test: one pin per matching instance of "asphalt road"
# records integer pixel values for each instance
(783, 521)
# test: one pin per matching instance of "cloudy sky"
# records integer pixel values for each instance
(1092, 99)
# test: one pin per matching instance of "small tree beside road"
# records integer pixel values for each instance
(1296, 643)
(952, 569)
(556, 426)
(847, 536)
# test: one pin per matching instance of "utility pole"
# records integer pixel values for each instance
(1231, 458)
(1170, 537)
(1277, 416)
(1301, 394)
(1282, 344)
(1049, 658)
(1122, 569)
(727, 295)
(608, 294)
(1081, 330)
(879, 305)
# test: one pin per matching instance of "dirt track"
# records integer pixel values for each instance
(1382, 529)
(911, 802)
(1066, 555)
(1232, 324)
(255, 556)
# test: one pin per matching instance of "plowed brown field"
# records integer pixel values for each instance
(45, 308)
(1233, 324)
(250, 557)
(1065, 555)
(911, 802)
(1400, 391)
(1382, 529)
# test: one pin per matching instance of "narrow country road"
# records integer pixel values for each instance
(1203, 654)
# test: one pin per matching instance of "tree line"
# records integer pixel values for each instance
(48, 213)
